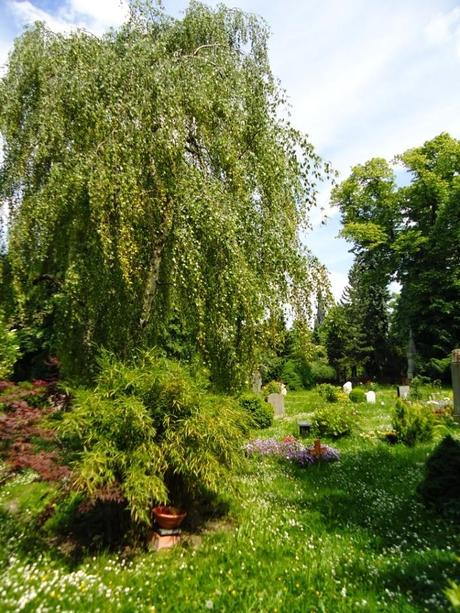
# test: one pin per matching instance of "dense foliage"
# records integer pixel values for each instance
(440, 487)
(329, 392)
(412, 422)
(409, 233)
(334, 420)
(26, 440)
(272, 387)
(260, 412)
(298, 359)
(357, 395)
(9, 348)
(150, 433)
(155, 193)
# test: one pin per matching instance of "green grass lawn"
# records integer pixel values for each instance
(349, 536)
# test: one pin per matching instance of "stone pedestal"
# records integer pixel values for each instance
(455, 368)
(164, 539)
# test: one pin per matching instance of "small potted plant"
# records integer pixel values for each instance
(168, 517)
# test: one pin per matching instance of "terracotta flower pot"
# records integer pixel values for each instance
(168, 517)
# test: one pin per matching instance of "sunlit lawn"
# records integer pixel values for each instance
(349, 536)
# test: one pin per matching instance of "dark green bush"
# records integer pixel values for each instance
(329, 392)
(440, 487)
(261, 412)
(333, 420)
(64, 513)
(272, 367)
(412, 423)
(290, 375)
(321, 372)
(371, 386)
(272, 387)
(150, 433)
(357, 395)
(9, 348)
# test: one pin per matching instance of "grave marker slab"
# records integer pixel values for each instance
(277, 402)
(256, 382)
(403, 392)
(370, 397)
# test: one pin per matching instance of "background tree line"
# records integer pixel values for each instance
(403, 223)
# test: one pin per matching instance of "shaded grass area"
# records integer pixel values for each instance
(349, 536)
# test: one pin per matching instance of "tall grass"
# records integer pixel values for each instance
(349, 536)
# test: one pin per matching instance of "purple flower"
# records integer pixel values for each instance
(291, 449)
(328, 454)
(268, 446)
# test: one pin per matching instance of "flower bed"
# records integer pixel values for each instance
(291, 449)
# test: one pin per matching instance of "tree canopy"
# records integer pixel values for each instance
(411, 233)
(154, 191)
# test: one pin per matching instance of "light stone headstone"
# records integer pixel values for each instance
(403, 392)
(283, 389)
(277, 402)
(347, 387)
(256, 382)
(370, 397)
(455, 370)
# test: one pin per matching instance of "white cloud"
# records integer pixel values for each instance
(25, 13)
(5, 47)
(95, 16)
(444, 27)
(98, 15)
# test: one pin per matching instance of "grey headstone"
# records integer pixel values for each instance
(256, 382)
(277, 402)
(403, 392)
(347, 387)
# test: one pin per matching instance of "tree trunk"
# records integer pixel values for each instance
(151, 286)
(154, 269)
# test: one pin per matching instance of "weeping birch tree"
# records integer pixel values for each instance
(154, 190)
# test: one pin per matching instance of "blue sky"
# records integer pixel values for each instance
(365, 78)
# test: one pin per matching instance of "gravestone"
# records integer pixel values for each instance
(283, 389)
(403, 392)
(455, 369)
(277, 402)
(256, 382)
(370, 397)
(304, 428)
(347, 387)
